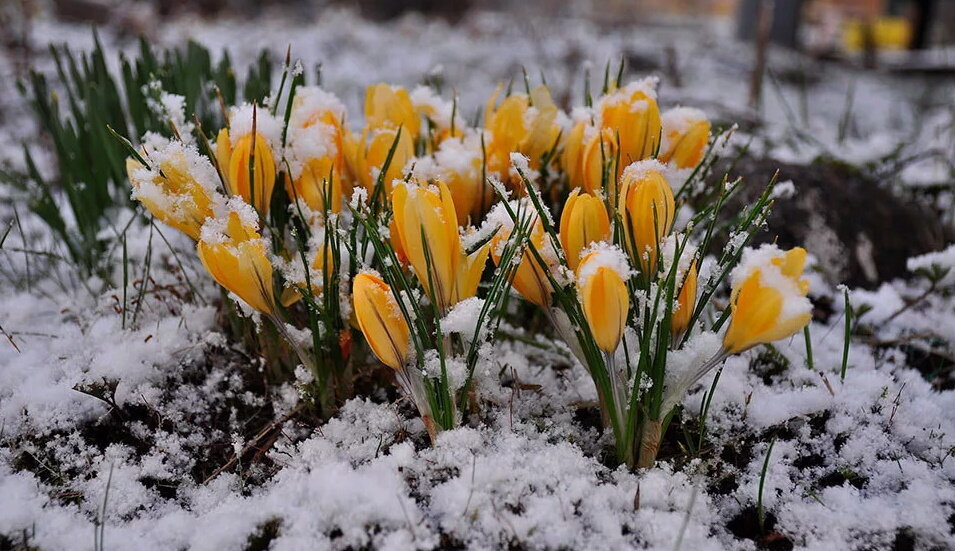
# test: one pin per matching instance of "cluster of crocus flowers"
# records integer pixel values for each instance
(615, 277)
(179, 185)
(245, 154)
(426, 231)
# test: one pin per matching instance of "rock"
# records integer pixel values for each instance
(861, 232)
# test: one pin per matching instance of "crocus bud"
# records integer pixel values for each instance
(389, 106)
(646, 208)
(366, 155)
(604, 296)
(315, 149)
(686, 302)
(685, 134)
(236, 256)
(459, 164)
(319, 184)
(572, 154)
(244, 154)
(427, 231)
(178, 188)
(515, 128)
(583, 222)
(530, 278)
(768, 299)
(600, 157)
(632, 114)
(380, 320)
(444, 121)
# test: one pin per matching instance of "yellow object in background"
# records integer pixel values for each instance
(888, 33)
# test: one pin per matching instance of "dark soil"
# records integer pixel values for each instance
(871, 245)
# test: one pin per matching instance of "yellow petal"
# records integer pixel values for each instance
(647, 209)
(572, 155)
(686, 301)
(380, 320)
(636, 120)
(240, 264)
(686, 150)
(605, 302)
(583, 222)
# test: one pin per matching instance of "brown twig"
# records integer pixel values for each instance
(265, 431)
(912, 303)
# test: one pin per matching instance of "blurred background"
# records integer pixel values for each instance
(847, 29)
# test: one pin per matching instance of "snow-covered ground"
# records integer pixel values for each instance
(117, 425)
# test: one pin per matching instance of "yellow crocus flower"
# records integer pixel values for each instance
(530, 278)
(380, 320)
(647, 209)
(316, 150)
(686, 302)
(366, 155)
(234, 163)
(632, 114)
(443, 121)
(236, 256)
(425, 220)
(178, 189)
(467, 190)
(768, 300)
(459, 165)
(515, 128)
(584, 221)
(686, 132)
(572, 154)
(604, 298)
(390, 107)
(318, 181)
(599, 153)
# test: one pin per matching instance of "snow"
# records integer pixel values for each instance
(308, 137)
(266, 125)
(941, 263)
(678, 120)
(639, 170)
(603, 255)
(185, 157)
